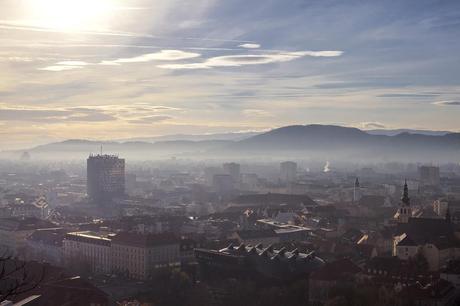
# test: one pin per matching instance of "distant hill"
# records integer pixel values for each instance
(400, 131)
(336, 142)
(323, 142)
(195, 137)
(80, 149)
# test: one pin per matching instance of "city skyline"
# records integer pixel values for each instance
(111, 70)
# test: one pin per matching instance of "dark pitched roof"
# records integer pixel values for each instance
(144, 240)
(339, 270)
(72, 291)
(51, 237)
(24, 224)
(435, 290)
(365, 250)
(352, 235)
(394, 267)
(424, 230)
(452, 267)
(407, 241)
(256, 234)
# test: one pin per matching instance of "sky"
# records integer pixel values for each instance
(113, 69)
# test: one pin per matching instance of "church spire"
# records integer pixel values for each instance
(405, 199)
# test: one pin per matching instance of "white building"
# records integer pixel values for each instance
(138, 255)
(89, 248)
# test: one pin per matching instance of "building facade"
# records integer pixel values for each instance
(88, 249)
(105, 177)
(288, 171)
(232, 169)
(139, 255)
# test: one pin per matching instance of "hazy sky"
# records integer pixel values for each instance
(108, 69)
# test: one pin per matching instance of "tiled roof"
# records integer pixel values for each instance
(338, 270)
(256, 234)
(52, 237)
(144, 240)
(24, 224)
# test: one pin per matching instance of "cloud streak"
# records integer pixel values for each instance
(136, 113)
(32, 27)
(163, 55)
(249, 46)
(151, 119)
(447, 103)
(250, 59)
(58, 68)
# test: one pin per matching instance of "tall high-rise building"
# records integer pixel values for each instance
(232, 169)
(223, 183)
(429, 175)
(105, 177)
(356, 192)
(288, 171)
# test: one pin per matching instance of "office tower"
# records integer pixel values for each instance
(223, 183)
(288, 171)
(429, 175)
(356, 192)
(105, 177)
(232, 169)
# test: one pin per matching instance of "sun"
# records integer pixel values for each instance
(71, 15)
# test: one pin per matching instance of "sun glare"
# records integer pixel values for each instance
(71, 15)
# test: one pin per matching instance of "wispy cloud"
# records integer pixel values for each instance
(33, 27)
(250, 59)
(30, 26)
(176, 55)
(57, 68)
(52, 115)
(249, 46)
(151, 119)
(136, 113)
(73, 63)
(372, 125)
(163, 55)
(409, 95)
(447, 103)
(257, 113)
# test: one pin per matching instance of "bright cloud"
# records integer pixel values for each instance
(57, 68)
(372, 125)
(257, 113)
(249, 46)
(447, 103)
(73, 63)
(250, 59)
(135, 113)
(163, 55)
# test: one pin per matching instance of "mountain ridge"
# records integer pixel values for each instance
(315, 141)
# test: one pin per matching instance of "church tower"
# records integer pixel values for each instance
(356, 192)
(404, 210)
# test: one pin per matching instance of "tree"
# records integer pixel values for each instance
(16, 278)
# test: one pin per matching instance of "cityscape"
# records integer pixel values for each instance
(216, 233)
(223, 153)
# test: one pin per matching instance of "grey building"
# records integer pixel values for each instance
(105, 177)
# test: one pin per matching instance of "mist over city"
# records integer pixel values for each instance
(211, 152)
